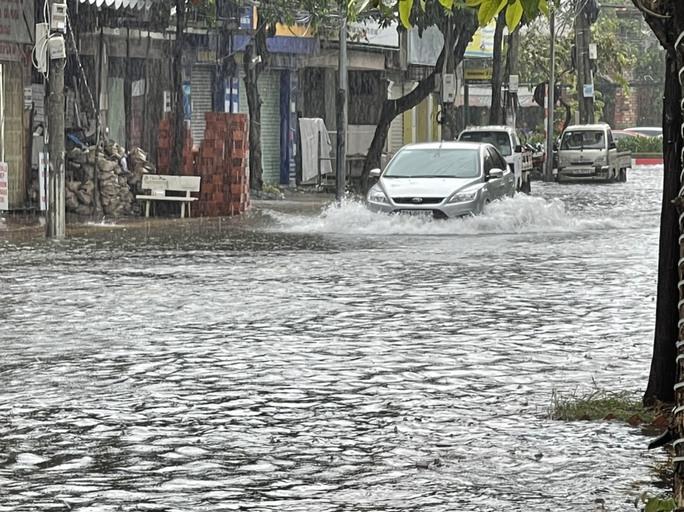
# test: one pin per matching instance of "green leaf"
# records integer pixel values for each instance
(447, 4)
(489, 9)
(473, 3)
(514, 14)
(405, 7)
(422, 5)
(544, 7)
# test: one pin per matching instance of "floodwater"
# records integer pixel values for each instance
(340, 360)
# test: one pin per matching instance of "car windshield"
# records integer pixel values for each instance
(498, 139)
(583, 140)
(434, 163)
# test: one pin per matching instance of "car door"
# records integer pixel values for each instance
(508, 182)
(493, 160)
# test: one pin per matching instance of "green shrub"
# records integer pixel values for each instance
(641, 144)
(599, 405)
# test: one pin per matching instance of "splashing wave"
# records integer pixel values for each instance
(520, 214)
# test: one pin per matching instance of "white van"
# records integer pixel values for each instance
(506, 140)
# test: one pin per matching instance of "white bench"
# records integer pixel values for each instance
(159, 184)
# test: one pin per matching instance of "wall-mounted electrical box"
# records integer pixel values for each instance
(58, 20)
(57, 48)
(167, 101)
(593, 51)
(448, 88)
(40, 51)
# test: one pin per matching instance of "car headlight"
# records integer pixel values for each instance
(376, 195)
(463, 197)
(600, 161)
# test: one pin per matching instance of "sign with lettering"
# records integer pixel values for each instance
(16, 21)
(4, 186)
(43, 180)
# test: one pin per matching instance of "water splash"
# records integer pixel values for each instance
(520, 214)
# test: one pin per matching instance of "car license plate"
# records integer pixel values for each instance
(582, 172)
(417, 213)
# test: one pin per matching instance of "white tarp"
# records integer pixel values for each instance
(310, 130)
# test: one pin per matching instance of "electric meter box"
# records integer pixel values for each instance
(448, 88)
(58, 19)
(57, 48)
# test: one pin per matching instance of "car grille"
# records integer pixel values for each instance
(423, 200)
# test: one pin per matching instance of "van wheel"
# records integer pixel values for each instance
(623, 176)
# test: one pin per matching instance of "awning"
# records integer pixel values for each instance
(121, 4)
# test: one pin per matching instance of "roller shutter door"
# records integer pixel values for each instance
(12, 131)
(269, 89)
(200, 95)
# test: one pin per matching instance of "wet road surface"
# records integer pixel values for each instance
(334, 361)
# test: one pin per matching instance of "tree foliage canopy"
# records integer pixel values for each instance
(418, 12)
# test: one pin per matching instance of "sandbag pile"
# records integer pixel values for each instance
(118, 183)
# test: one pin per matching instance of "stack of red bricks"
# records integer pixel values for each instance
(165, 149)
(222, 164)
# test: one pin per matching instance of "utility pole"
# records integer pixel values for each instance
(448, 85)
(550, 96)
(585, 78)
(341, 155)
(56, 173)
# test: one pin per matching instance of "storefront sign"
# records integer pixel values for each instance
(478, 75)
(4, 186)
(16, 21)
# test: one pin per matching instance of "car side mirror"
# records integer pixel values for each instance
(375, 173)
(496, 174)
(518, 149)
(612, 145)
(555, 146)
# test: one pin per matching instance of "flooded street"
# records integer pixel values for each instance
(337, 361)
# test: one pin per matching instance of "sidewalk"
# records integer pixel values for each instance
(28, 226)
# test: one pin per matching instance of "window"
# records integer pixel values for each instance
(583, 140)
(434, 163)
(488, 161)
(500, 140)
(497, 160)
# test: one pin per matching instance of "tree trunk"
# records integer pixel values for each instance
(663, 368)
(496, 112)
(511, 103)
(179, 115)
(255, 50)
(464, 27)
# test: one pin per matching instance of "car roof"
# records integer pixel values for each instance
(447, 145)
(489, 128)
(588, 127)
(658, 128)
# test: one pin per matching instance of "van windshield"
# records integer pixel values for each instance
(500, 140)
(583, 140)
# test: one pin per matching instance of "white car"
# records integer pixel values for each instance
(648, 131)
(441, 180)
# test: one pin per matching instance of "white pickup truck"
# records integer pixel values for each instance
(588, 153)
(506, 140)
